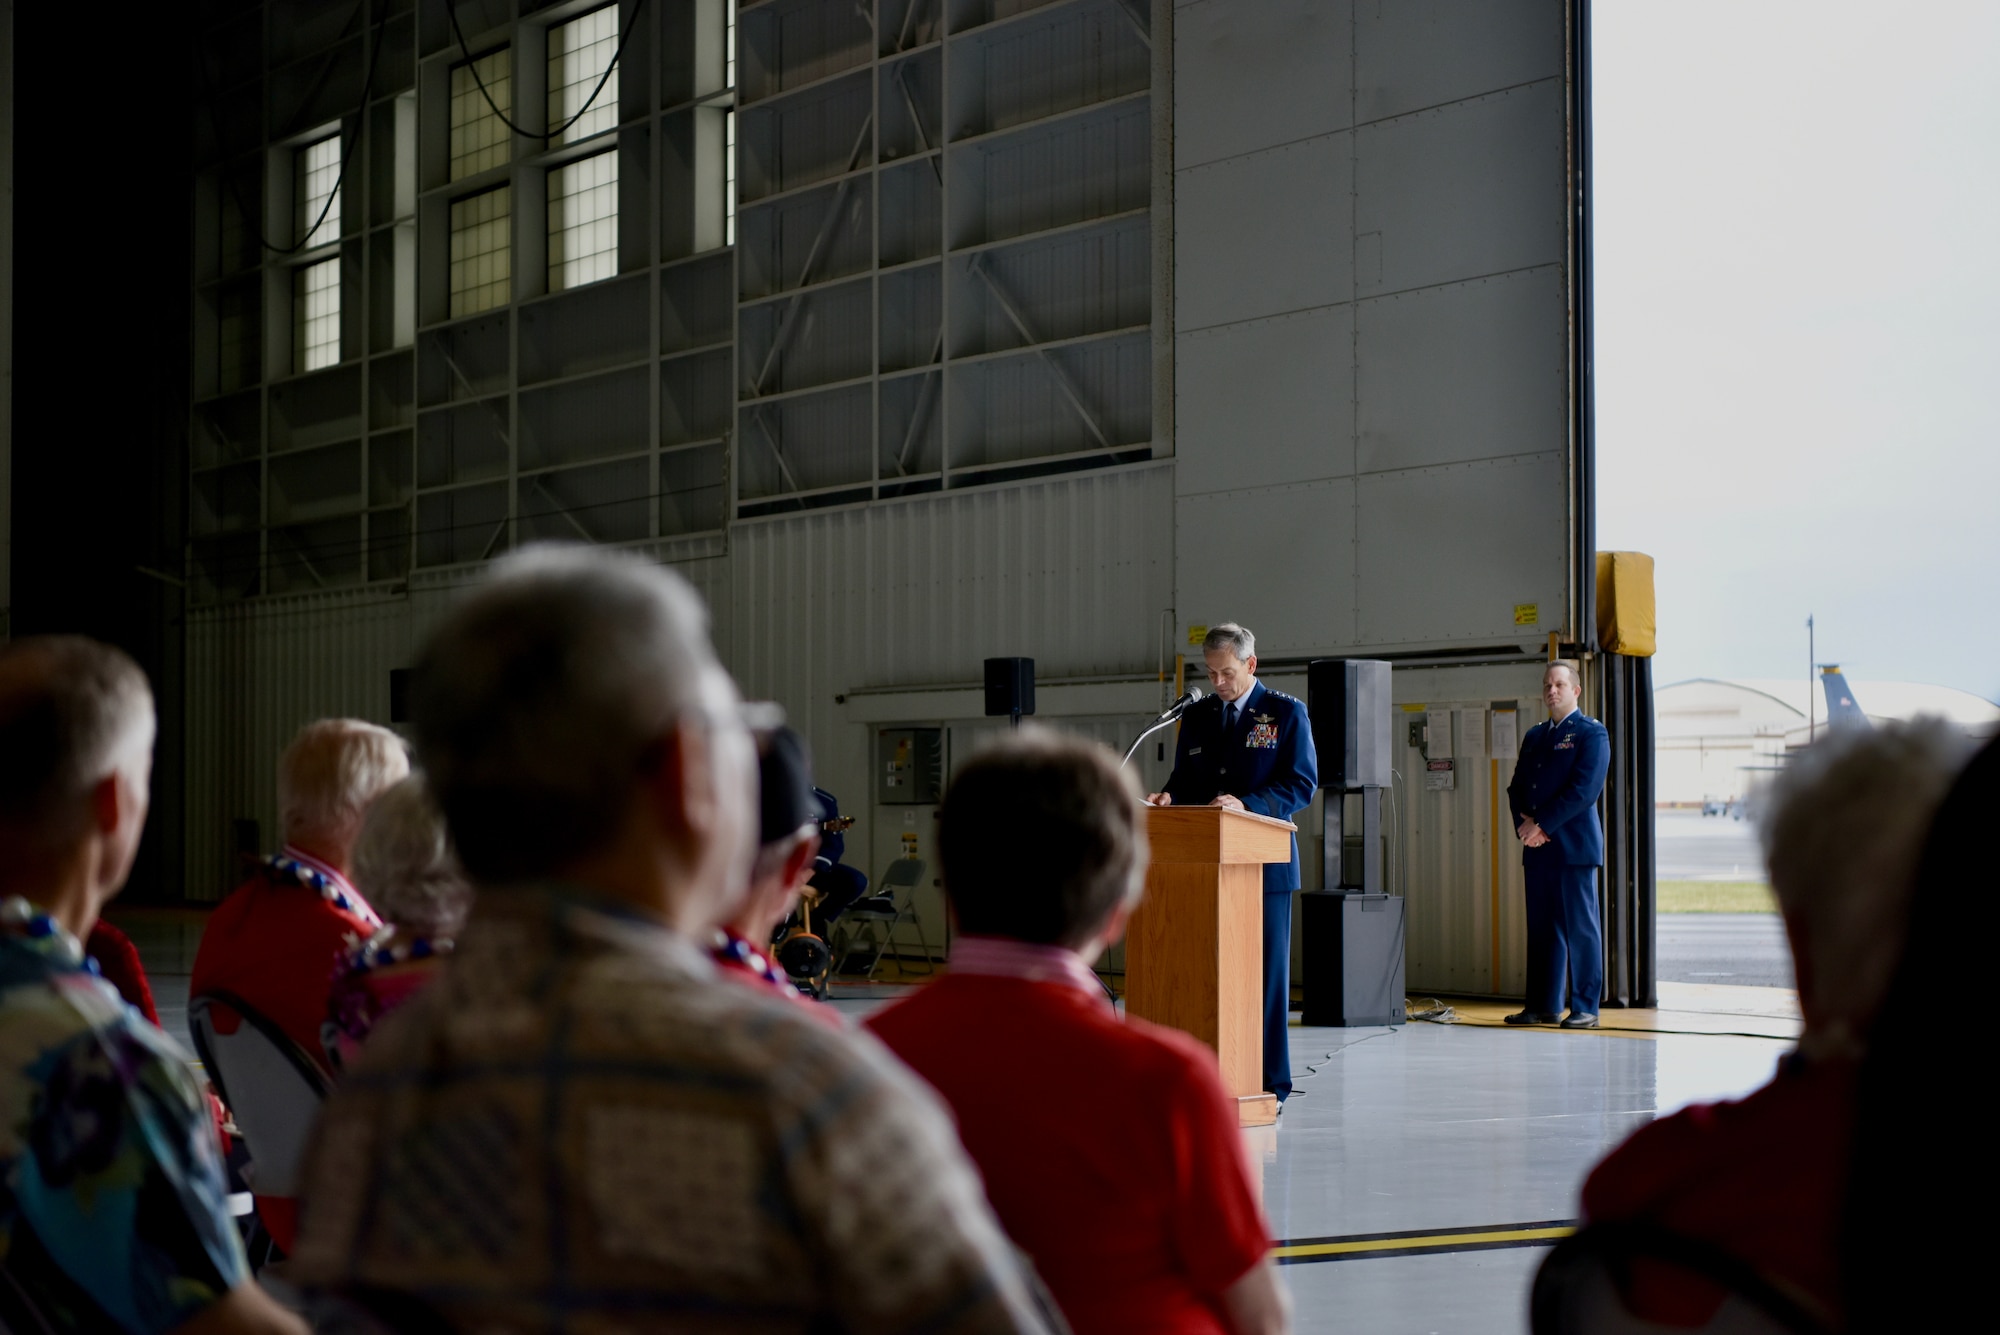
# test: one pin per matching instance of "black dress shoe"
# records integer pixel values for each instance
(1575, 1021)
(1533, 1017)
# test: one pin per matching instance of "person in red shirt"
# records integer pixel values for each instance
(118, 964)
(276, 941)
(788, 841)
(1763, 1179)
(1111, 1151)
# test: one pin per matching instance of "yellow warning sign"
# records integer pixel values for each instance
(1196, 634)
(1527, 614)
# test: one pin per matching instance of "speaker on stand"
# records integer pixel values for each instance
(1352, 930)
(1010, 688)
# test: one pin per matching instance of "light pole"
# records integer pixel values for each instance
(1812, 706)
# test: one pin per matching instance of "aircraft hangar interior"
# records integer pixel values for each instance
(917, 337)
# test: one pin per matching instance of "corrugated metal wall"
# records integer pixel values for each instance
(1073, 571)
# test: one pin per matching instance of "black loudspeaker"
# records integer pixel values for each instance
(1348, 701)
(1010, 686)
(1353, 952)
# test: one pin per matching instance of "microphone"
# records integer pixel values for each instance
(1195, 695)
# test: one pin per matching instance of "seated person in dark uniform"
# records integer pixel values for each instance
(113, 1205)
(1558, 778)
(1250, 748)
(1118, 1166)
(1763, 1178)
(787, 844)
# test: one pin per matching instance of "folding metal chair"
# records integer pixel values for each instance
(273, 1091)
(870, 924)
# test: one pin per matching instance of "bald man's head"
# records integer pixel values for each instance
(73, 712)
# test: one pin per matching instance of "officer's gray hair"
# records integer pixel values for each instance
(540, 698)
(1843, 829)
(1237, 639)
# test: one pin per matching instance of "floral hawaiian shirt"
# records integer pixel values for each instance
(113, 1204)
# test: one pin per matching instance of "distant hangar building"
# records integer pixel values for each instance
(1714, 736)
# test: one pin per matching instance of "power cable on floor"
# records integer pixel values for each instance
(1313, 1068)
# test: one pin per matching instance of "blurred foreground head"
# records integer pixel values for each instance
(1842, 832)
(575, 725)
(76, 753)
(404, 864)
(1043, 840)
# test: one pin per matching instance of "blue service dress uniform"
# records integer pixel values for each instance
(1557, 780)
(1265, 760)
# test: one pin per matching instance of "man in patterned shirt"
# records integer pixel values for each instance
(113, 1208)
(579, 1126)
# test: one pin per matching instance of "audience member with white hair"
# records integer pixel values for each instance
(404, 864)
(275, 943)
(1762, 1179)
(113, 1200)
(579, 1125)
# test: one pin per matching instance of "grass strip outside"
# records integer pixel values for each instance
(1716, 897)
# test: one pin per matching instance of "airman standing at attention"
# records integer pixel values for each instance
(1553, 795)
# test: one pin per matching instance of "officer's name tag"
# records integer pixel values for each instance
(1263, 736)
(1194, 750)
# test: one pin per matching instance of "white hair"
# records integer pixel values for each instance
(537, 699)
(1843, 830)
(330, 774)
(404, 864)
(72, 712)
(1237, 639)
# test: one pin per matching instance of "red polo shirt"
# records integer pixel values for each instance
(1762, 1178)
(1110, 1150)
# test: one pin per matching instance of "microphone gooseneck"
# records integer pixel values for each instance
(1192, 697)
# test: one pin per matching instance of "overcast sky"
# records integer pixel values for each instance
(1798, 330)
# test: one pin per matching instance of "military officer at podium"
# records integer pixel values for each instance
(1553, 795)
(1250, 748)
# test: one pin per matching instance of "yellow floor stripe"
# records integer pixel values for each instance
(1431, 1242)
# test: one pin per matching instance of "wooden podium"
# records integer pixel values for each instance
(1194, 953)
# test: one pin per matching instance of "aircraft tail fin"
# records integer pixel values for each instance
(1841, 711)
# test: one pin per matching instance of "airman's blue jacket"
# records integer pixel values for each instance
(1268, 763)
(1557, 780)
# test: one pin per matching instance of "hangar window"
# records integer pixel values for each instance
(482, 237)
(316, 307)
(728, 179)
(583, 221)
(316, 174)
(478, 135)
(583, 53)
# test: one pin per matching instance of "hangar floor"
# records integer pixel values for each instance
(1476, 1131)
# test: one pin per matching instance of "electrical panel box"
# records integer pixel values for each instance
(909, 766)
